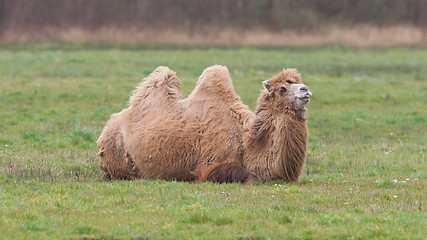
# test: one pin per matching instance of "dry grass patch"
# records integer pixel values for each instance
(354, 36)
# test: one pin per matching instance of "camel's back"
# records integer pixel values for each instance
(156, 135)
(170, 138)
(189, 135)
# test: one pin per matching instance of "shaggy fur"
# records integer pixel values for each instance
(228, 173)
(211, 135)
(277, 144)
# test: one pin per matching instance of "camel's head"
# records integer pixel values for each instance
(287, 90)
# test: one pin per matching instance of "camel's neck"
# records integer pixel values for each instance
(277, 144)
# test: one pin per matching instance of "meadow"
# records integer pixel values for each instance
(365, 173)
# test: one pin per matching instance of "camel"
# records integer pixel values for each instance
(210, 135)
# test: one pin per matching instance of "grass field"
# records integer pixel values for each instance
(365, 174)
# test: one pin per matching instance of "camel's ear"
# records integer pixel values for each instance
(266, 84)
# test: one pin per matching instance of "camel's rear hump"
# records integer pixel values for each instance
(161, 87)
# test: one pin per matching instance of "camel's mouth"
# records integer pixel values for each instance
(302, 94)
(305, 99)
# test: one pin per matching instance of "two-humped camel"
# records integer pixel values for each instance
(211, 135)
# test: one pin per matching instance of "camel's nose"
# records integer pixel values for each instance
(305, 89)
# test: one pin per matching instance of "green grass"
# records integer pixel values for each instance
(365, 174)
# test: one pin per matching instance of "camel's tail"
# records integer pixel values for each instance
(228, 173)
(160, 86)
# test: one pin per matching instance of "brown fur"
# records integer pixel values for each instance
(211, 135)
(228, 173)
(114, 160)
(277, 145)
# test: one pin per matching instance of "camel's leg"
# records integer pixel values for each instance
(114, 160)
(228, 173)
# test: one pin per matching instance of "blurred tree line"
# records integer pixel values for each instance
(194, 15)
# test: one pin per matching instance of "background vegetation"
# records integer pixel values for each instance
(194, 15)
(231, 23)
(365, 175)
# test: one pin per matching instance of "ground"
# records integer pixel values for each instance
(365, 175)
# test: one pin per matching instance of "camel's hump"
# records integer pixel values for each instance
(161, 84)
(215, 81)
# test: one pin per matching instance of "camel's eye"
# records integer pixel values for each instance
(289, 81)
(282, 89)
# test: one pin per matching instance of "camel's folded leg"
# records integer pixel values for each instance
(114, 160)
(117, 165)
(228, 173)
(101, 164)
